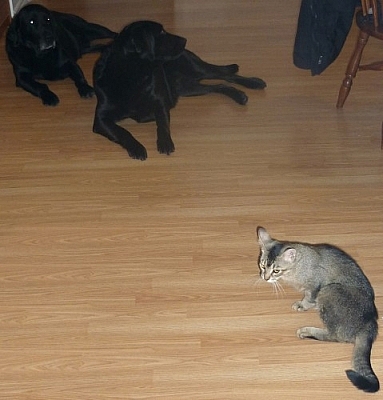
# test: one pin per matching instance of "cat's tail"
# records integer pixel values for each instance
(362, 376)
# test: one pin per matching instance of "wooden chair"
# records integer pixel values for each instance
(368, 19)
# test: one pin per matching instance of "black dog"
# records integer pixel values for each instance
(44, 44)
(142, 74)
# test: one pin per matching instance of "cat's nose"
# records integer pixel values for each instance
(266, 275)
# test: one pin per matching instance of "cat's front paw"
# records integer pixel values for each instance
(303, 305)
(304, 333)
(299, 306)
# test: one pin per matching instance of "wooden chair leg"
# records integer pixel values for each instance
(352, 68)
(381, 138)
(374, 66)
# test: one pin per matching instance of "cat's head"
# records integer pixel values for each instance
(276, 259)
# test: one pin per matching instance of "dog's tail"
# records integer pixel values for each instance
(362, 376)
(96, 48)
(100, 43)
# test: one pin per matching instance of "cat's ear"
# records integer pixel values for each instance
(289, 255)
(263, 237)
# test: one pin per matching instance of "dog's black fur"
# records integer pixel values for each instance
(44, 44)
(141, 75)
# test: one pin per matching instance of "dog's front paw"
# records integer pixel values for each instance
(137, 151)
(165, 146)
(86, 91)
(49, 98)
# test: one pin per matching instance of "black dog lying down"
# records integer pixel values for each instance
(44, 44)
(142, 74)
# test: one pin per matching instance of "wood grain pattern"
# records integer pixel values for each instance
(122, 279)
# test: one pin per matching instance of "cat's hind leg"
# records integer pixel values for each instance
(310, 332)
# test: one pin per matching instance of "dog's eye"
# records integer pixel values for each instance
(162, 32)
(31, 21)
(48, 20)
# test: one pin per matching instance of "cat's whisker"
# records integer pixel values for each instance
(281, 288)
(278, 289)
(258, 282)
(275, 288)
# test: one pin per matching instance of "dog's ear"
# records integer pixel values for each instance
(128, 46)
(13, 33)
(142, 44)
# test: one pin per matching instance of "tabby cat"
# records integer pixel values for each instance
(334, 284)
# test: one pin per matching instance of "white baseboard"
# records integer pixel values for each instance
(15, 5)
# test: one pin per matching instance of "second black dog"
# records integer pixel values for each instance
(45, 44)
(142, 74)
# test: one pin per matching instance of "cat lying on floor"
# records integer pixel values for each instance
(334, 284)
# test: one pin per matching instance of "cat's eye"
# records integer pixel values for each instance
(276, 271)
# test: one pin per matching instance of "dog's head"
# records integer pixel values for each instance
(150, 41)
(33, 27)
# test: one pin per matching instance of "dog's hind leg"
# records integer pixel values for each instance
(251, 83)
(200, 69)
(199, 89)
(115, 133)
(195, 67)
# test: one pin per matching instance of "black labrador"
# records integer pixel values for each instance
(141, 75)
(45, 44)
